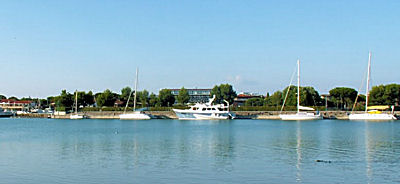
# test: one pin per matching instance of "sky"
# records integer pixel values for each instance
(48, 46)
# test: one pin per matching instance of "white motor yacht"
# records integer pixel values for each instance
(205, 111)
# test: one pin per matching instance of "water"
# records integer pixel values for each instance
(172, 151)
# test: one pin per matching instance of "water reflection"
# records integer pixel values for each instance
(220, 152)
(298, 151)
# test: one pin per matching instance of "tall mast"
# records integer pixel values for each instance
(136, 81)
(76, 101)
(368, 79)
(298, 85)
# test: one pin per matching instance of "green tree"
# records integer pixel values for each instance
(13, 98)
(125, 92)
(276, 99)
(385, 95)
(224, 92)
(308, 96)
(143, 98)
(106, 99)
(153, 100)
(183, 96)
(255, 102)
(343, 97)
(2, 97)
(88, 99)
(64, 100)
(166, 98)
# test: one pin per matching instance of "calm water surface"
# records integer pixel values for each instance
(172, 151)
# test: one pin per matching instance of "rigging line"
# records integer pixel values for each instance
(287, 92)
(358, 92)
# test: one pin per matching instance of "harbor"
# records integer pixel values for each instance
(235, 151)
(265, 115)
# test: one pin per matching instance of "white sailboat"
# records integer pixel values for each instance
(373, 113)
(135, 115)
(300, 115)
(75, 115)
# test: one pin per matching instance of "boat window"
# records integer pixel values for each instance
(220, 109)
(208, 108)
(203, 109)
(213, 109)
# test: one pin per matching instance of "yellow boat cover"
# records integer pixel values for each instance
(374, 112)
(378, 107)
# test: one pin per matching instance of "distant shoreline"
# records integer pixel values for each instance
(171, 115)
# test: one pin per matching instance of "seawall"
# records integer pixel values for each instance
(171, 115)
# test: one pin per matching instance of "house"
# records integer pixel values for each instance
(241, 99)
(195, 95)
(17, 105)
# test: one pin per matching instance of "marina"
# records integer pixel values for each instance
(233, 151)
(212, 104)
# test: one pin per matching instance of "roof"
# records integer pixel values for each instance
(15, 101)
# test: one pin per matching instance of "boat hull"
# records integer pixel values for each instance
(372, 117)
(193, 115)
(134, 116)
(76, 116)
(300, 116)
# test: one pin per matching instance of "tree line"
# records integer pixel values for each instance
(341, 98)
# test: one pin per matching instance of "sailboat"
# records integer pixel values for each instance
(135, 115)
(75, 115)
(300, 115)
(372, 112)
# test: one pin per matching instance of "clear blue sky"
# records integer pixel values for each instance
(47, 46)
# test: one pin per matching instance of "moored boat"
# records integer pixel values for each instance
(300, 115)
(5, 114)
(205, 111)
(372, 113)
(135, 115)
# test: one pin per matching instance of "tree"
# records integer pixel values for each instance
(143, 98)
(13, 98)
(153, 100)
(276, 99)
(64, 100)
(125, 92)
(166, 98)
(255, 102)
(343, 97)
(385, 95)
(308, 96)
(88, 99)
(2, 97)
(224, 92)
(183, 96)
(107, 98)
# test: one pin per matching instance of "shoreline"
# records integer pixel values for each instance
(262, 115)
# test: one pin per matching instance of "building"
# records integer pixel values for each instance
(16, 105)
(241, 99)
(195, 95)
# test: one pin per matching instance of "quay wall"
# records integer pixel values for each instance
(171, 115)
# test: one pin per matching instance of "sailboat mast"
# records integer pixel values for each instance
(136, 81)
(298, 85)
(76, 101)
(368, 79)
